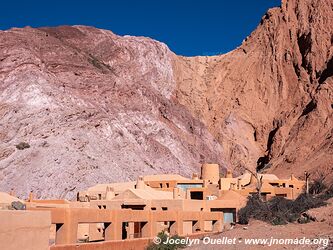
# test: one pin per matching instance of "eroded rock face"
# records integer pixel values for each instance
(269, 102)
(96, 107)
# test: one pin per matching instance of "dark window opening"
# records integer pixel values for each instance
(196, 195)
(281, 195)
(133, 207)
(138, 226)
(264, 196)
(124, 231)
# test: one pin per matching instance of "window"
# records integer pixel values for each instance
(161, 185)
(133, 207)
(167, 185)
(164, 208)
(281, 195)
(84, 229)
(264, 196)
(185, 186)
(196, 195)
(153, 208)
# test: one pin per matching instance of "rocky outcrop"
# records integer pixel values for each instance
(95, 107)
(269, 102)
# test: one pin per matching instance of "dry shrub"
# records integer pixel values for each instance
(22, 145)
(279, 210)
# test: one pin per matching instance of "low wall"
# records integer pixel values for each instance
(133, 244)
(130, 244)
(28, 230)
(68, 219)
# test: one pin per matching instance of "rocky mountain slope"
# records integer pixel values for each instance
(95, 107)
(270, 101)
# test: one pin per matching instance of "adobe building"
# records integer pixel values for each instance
(209, 186)
(209, 192)
(22, 229)
(130, 214)
(271, 185)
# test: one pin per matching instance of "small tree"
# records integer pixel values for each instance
(258, 178)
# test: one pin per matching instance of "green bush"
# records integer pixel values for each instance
(163, 237)
(22, 145)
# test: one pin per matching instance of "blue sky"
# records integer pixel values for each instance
(197, 27)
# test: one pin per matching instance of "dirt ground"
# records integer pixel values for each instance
(322, 228)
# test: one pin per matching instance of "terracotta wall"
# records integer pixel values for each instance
(28, 230)
(134, 244)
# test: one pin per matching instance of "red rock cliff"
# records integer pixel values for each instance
(269, 102)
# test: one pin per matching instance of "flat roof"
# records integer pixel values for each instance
(165, 177)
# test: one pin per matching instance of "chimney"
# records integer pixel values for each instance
(238, 184)
(229, 174)
(140, 184)
(12, 193)
(109, 193)
(195, 176)
(31, 196)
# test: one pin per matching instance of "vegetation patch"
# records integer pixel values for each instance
(99, 64)
(280, 211)
(164, 244)
(22, 145)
